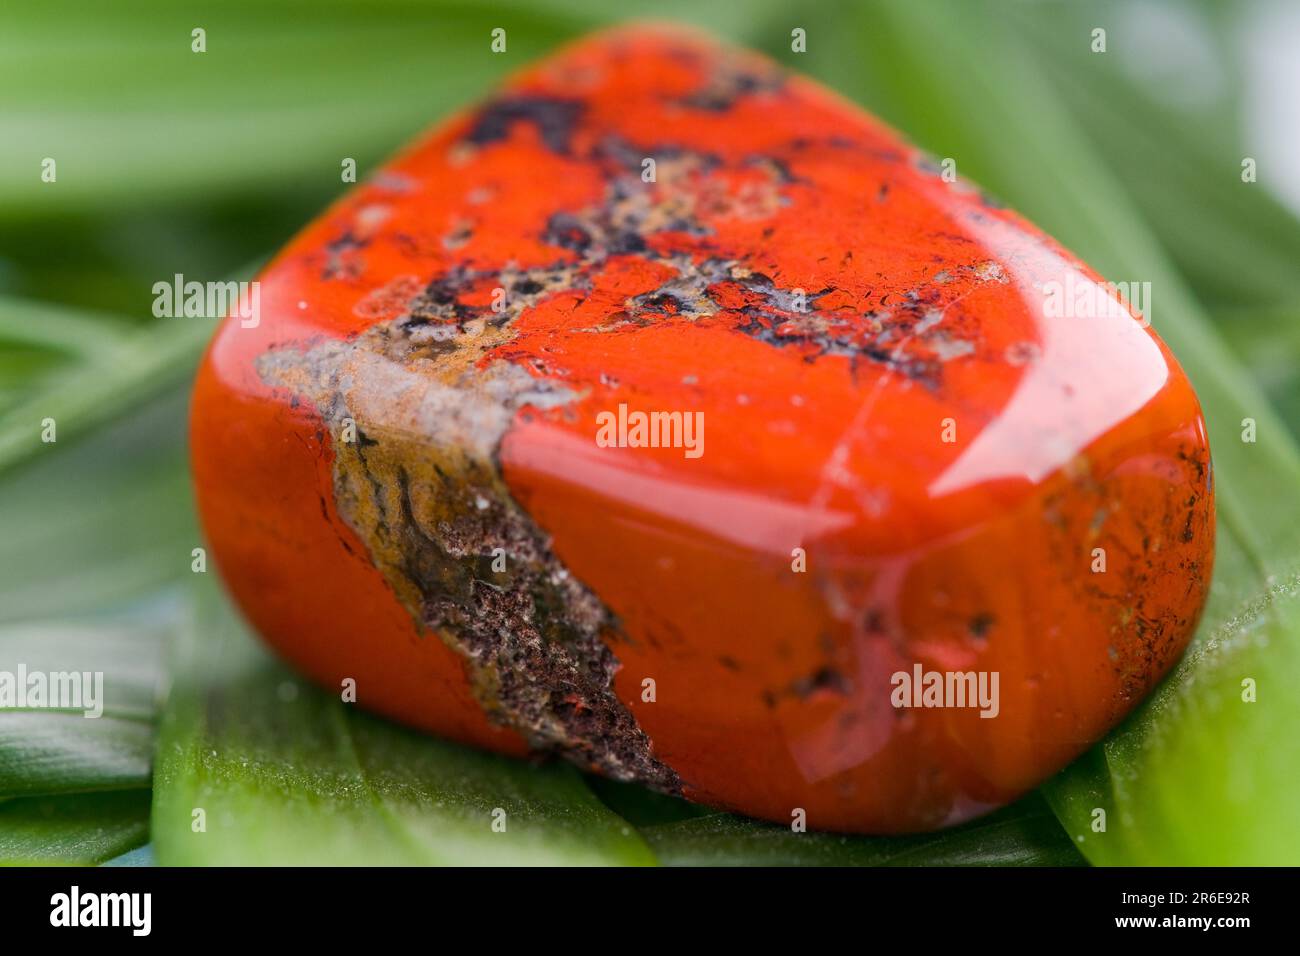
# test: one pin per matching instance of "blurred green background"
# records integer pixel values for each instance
(204, 164)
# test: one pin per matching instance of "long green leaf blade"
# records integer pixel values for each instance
(79, 830)
(1026, 834)
(50, 747)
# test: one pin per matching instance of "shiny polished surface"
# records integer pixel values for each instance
(908, 453)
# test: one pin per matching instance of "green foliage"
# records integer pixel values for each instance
(77, 829)
(1026, 834)
(170, 161)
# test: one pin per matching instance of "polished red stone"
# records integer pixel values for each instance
(907, 461)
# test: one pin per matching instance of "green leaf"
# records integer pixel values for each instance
(1024, 834)
(686, 834)
(37, 339)
(74, 545)
(57, 750)
(80, 396)
(1268, 341)
(287, 774)
(641, 806)
(283, 92)
(71, 331)
(1233, 242)
(104, 520)
(80, 830)
(66, 753)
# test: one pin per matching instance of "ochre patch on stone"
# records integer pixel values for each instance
(419, 485)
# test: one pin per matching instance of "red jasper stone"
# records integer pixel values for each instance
(768, 473)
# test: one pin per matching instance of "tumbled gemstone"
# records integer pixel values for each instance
(672, 415)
